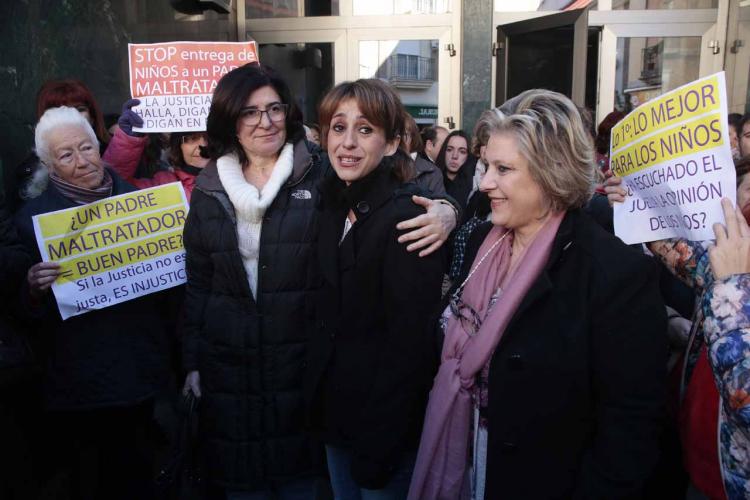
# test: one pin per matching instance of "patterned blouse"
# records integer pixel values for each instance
(725, 305)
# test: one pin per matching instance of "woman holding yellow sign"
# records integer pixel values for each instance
(714, 412)
(102, 368)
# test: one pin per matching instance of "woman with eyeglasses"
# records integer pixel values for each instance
(103, 369)
(53, 94)
(248, 308)
(552, 381)
(126, 150)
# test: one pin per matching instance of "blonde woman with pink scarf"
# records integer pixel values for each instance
(552, 378)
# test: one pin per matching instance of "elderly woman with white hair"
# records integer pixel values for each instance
(102, 368)
(552, 378)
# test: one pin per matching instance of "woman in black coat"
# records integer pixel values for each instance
(371, 360)
(249, 237)
(103, 368)
(17, 384)
(552, 379)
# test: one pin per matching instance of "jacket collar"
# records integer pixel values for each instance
(543, 284)
(363, 196)
(423, 166)
(186, 172)
(304, 155)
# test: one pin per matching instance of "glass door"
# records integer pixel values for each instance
(642, 61)
(738, 56)
(546, 52)
(417, 62)
(311, 63)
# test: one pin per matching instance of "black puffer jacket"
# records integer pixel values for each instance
(108, 357)
(250, 353)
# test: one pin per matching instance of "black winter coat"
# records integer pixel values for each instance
(14, 262)
(460, 187)
(428, 176)
(371, 362)
(114, 356)
(250, 351)
(14, 259)
(577, 383)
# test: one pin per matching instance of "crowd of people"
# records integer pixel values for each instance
(374, 311)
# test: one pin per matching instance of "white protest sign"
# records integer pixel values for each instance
(115, 249)
(175, 80)
(674, 156)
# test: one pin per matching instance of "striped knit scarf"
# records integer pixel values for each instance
(81, 195)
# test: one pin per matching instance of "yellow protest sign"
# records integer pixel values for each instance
(111, 249)
(674, 157)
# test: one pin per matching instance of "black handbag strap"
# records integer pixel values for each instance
(182, 453)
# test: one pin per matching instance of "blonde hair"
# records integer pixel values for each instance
(481, 135)
(552, 138)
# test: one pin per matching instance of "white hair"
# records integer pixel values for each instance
(53, 118)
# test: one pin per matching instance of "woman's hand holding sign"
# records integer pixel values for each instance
(41, 276)
(615, 192)
(731, 254)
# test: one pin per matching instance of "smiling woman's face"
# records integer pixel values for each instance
(75, 157)
(516, 199)
(266, 138)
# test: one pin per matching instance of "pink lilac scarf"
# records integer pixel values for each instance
(443, 451)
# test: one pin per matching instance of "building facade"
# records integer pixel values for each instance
(449, 59)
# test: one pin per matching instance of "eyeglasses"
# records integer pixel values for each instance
(252, 116)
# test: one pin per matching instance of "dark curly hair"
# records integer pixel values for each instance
(230, 97)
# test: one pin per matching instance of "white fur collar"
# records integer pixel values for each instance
(247, 201)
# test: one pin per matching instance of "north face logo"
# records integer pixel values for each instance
(302, 194)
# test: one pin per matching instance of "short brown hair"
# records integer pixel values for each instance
(382, 107)
(553, 139)
(411, 141)
(229, 98)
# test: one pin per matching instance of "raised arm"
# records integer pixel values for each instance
(430, 230)
(727, 324)
(126, 147)
(687, 260)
